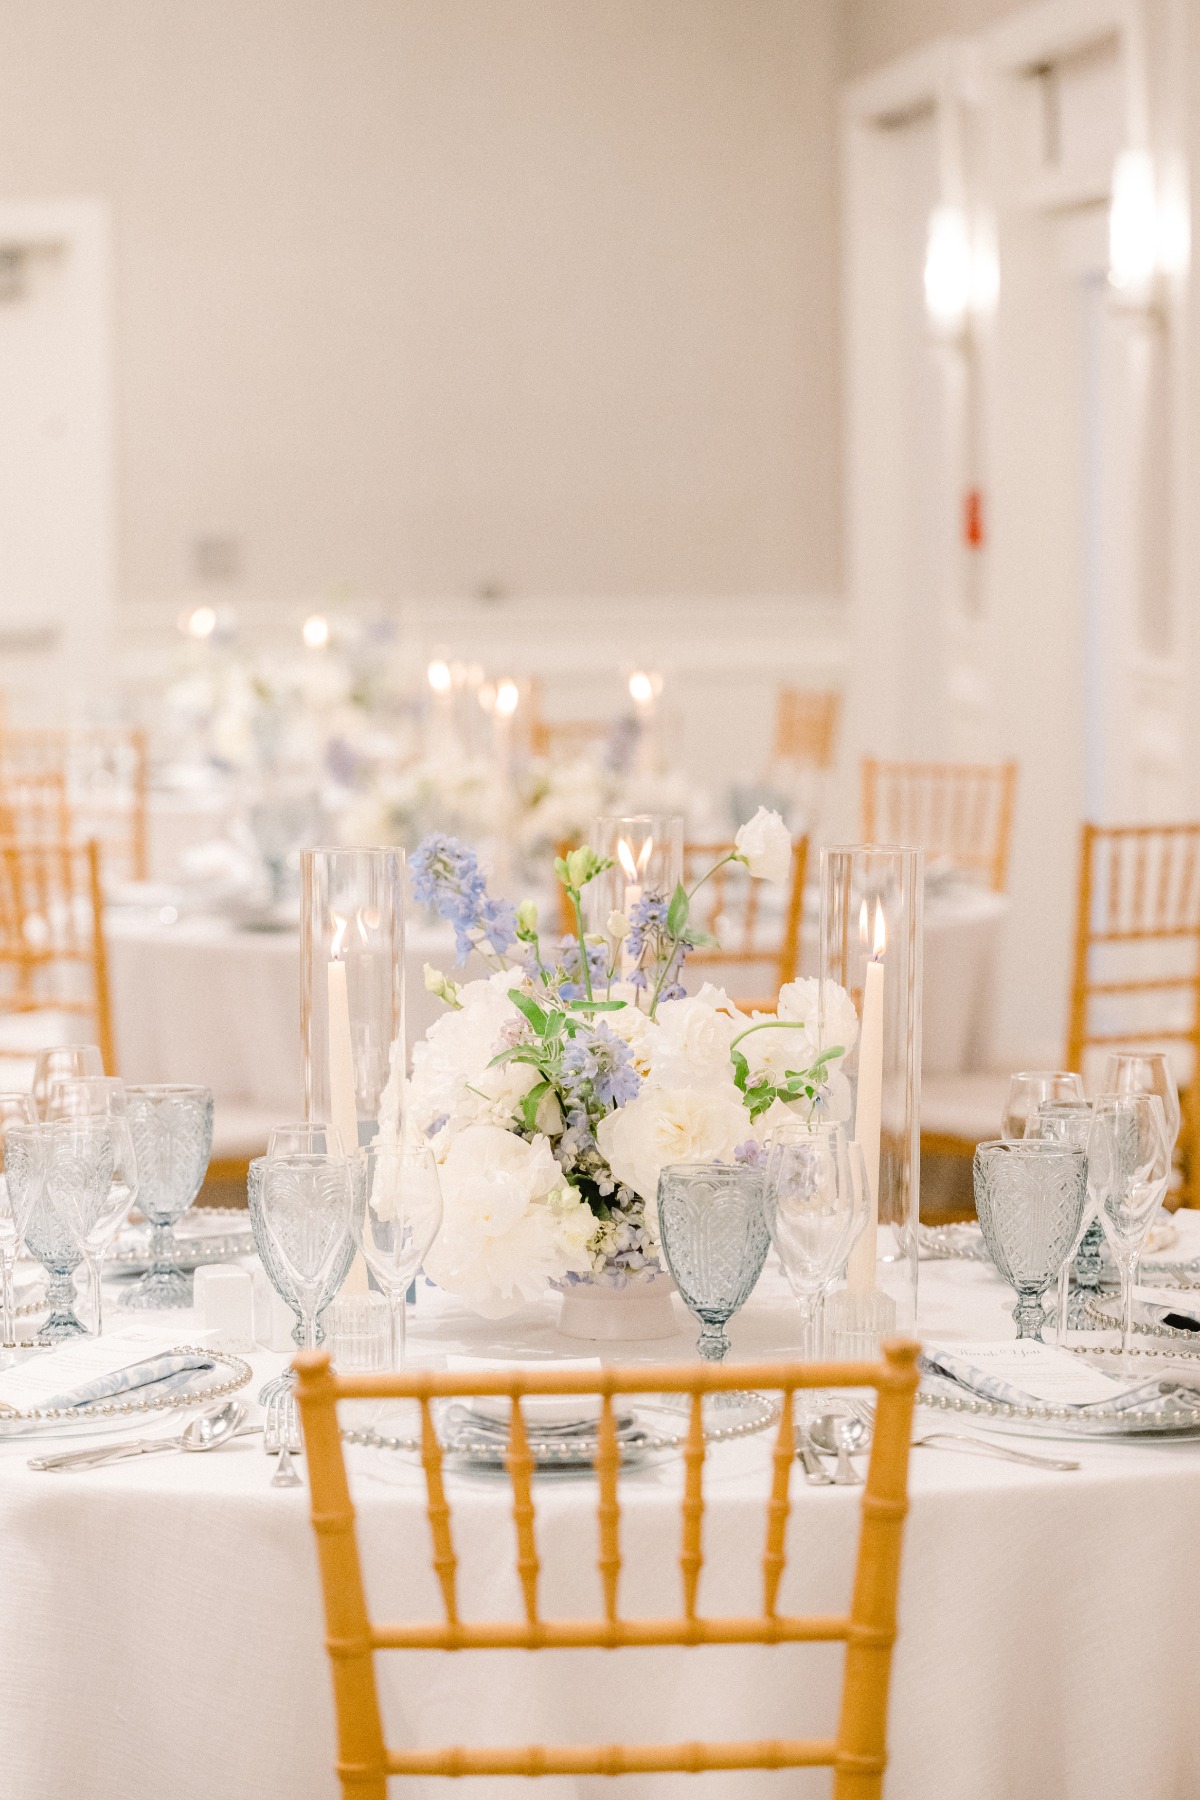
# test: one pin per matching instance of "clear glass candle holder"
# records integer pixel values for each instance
(871, 922)
(352, 990)
(646, 851)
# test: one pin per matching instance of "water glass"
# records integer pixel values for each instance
(1030, 1090)
(306, 1204)
(1069, 1122)
(77, 1172)
(396, 1225)
(304, 1139)
(1030, 1195)
(1146, 1072)
(1129, 1165)
(171, 1126)
(15, 1110)
(58, 1062)
(714, 1237)
(102, 1098)
(277, 1275)
(815, 1200)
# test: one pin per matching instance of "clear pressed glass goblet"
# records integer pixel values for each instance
(306, 1206)
(395, 1224)
(714, 1237)
(1128, 1166)
(1030, 1195)
(277, 1275)
(1030, 1090)
(59, 1062)
(15, 1110)
(77, 1165)
(171, 1127)
(103, 1098)
(814, 1202)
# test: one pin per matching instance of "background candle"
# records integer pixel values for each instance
(860, 1273)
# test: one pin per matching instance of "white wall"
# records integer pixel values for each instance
(428, 295)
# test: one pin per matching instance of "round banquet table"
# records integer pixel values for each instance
(161, 1630)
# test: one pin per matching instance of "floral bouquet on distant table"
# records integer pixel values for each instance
(554, 1090)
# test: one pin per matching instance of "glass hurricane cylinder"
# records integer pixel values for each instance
(352, 990)
(646, 850)
(871, 903)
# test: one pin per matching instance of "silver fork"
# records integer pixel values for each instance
(281, 1438)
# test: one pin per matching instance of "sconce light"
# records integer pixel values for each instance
(1148, 228)
(962, 270)
(508, 696)
(315, 631)
(439, 676)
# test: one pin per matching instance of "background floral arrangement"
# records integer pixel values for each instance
(555, 1089)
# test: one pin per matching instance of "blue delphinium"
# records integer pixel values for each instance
(597, 1059)
(649, 931)
(446, 876)
(572, 986)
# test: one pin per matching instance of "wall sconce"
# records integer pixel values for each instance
(315, 631)
(962, 270)
(1149, 238)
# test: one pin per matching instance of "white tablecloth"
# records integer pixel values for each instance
(160, 1623)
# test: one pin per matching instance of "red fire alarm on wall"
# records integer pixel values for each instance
(973, 518)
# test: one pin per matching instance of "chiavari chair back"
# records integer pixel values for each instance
(961, 813)
(755, 935)
(52, 955)
(34, 806)
(856, 1752)
(806, 726)
(105, 774)
(563, 740)
(1136, 974)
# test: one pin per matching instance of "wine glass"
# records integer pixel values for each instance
(815, 1196)
(1146, 1072)
(77, 1176)
(16, 1110)
(1068, 1122)
(100, 1097)
(396, 1224)
(1129, 1165)
(1032, 1089)
(306, 1204)
(58, 1063)
(171, 1125)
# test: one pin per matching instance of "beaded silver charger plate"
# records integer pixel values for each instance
(205, 1234)
(229, 1374)
(651, 1429)
(1103, 1313)
(1172, 1414)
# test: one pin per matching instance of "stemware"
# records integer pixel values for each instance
(59, 1062)
(714, 1237)
(1030, 1090)
(100, 1097)
(1030, 1194)
(277, 1275)
(77, 1172)
(1146, 1072)
(815, 1198)
(396, 1224)
(306, 1204)
(16, 1110)
(1068, 1122)
(171, 1126)
(305, 1138)
(1129, 1165)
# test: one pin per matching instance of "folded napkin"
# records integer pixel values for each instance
(174, 1373)
(1028, 1374)
(543, 1411)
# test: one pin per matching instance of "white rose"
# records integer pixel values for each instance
(773, 1053)
(457, 1049)
(765, 846)
(691, 1045)
(670, 1125)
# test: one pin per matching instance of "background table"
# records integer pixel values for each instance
(161, 1632)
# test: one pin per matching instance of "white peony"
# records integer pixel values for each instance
(632, 1026)
(457, 1049)
(765, 845)
(773, 1053)
(511, 1221)
(691, 1045)
(670, 1125)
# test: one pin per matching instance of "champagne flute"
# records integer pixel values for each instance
(102, 1098)
(1069, 1122)
(59, 1062)
(307, 1202)
(815, 1196)
(15, 1202)
(1146, 1072)
(1030, 1090)
(397, 1225)
(1129, 1164)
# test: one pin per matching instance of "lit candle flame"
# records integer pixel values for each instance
(339, 934)
(625, 858)
(880, 931)
(643, 861)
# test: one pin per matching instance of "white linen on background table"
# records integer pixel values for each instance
(161, 1631)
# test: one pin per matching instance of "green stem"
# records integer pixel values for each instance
(583, 955)
(769, 1025)
(729, 857)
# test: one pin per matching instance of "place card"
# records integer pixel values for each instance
(1021, 1370)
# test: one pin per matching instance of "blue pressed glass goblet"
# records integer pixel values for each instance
(1030, 1195)
(714, 1237)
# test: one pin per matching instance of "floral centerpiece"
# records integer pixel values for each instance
(554, 1089)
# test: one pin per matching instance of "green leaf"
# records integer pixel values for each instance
(591, 1006)
(741, 1069)
(531, 1010)
(530, 1103)
(701, 940)
(677, 912)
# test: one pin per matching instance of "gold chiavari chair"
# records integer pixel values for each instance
(34, 807)
(730, 908)
(962, 812)
(1136, 972)
(105, 772)
(857, 1751)
(806, 726)
(52, 956)
(563, 740)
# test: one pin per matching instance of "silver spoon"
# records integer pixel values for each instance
(815, 1472)
(207, 1431)
(838, 1435)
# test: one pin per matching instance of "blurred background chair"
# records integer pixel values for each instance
(857, 1753)
(104, 772)
(53, 967)
(960, 814)
(756, 926)
(33, 806)
(806, 727)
